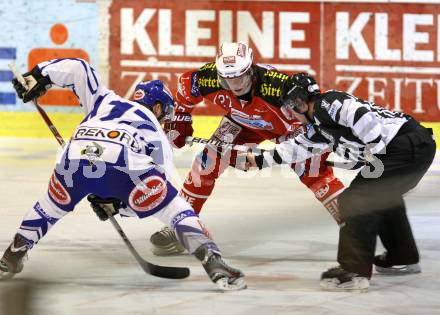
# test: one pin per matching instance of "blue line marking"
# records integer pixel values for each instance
(7, 98)
(8, 53)
(6, 75)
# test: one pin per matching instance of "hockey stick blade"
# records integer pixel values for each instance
(166, 272)
(152, 269)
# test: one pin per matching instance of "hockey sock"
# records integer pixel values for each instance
(191, 232)
(39, 220)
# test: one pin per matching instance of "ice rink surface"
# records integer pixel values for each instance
(267, 224)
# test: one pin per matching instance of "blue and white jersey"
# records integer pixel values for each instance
(115, 130)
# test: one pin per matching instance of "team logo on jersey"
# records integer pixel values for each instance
(227, 131)
(269, 90)
(194, 85)
(273, 73)
(57, 191)
(92, 152)
(148, 194)
(251, 121)
(208, 82)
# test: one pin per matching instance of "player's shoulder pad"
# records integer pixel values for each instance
(269, 82)
(207, 79)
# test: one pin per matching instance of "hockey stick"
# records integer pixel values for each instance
(39, 108)
(152, 269)
(218, 143)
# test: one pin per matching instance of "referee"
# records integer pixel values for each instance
(397, 152)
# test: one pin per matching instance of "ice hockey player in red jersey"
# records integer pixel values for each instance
(249, 93)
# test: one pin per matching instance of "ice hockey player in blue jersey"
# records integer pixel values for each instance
(396, 151)
(118, 156)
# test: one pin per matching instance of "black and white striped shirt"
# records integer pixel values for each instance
(352, 128)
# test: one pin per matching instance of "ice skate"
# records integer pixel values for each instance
(12, 260)
(165, 243)
(384, 265)
(338, 279)
(227, 278)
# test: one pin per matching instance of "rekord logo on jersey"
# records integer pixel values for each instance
(115, 135)
(148, 194)
(251, 121)
(58, 192)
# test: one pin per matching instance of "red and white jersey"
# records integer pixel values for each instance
(261, 114)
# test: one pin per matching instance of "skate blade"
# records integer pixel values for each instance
(237, 284)
(359, 285)
(399, 271)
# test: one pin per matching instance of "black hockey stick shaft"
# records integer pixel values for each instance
(49, 123)
(40, 109)
(152, 269)
(348, 165)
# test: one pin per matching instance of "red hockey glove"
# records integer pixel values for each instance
(179, 128)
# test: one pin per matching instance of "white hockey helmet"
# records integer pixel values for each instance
(234, 67)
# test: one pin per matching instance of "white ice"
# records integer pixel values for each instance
(269, 225)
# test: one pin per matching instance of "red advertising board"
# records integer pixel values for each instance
(386, 53)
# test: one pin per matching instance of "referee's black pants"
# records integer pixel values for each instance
(374, 206)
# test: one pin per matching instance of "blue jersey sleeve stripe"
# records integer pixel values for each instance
(94, 75)
(52, 62)
(117, 111)
(139, 124)
(149, 125)
(87, 69)
(142, 115)
(94, 111)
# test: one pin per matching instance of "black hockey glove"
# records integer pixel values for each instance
(37, 85)
(99, 205)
